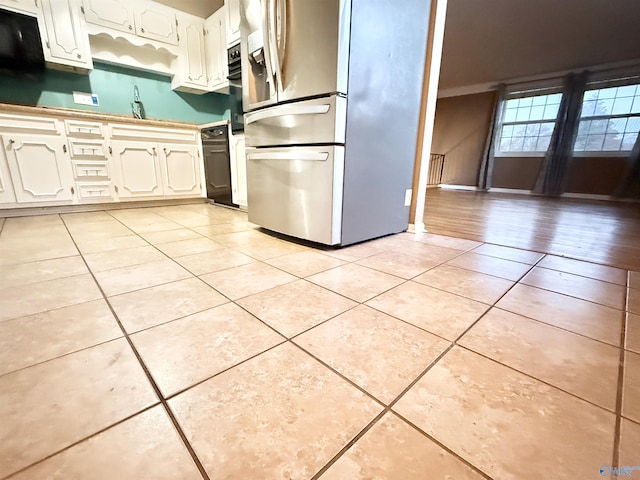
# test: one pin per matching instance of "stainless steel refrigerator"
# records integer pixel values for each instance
(331, 95)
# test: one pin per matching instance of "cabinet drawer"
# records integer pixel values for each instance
(151, 134)
(91, 169)
(28, 124)
(87, 148)
(84, 128)
(93, 190)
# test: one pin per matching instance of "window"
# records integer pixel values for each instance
(610, 119)
(527, 123)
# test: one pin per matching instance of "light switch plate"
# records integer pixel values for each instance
(407, 197)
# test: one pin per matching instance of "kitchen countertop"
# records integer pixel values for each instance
(100, 116)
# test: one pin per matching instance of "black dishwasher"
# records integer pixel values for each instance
(217, 165)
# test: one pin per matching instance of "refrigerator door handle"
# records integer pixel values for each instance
(281, 18)
(266, 38)
(308, 156)
(272, 7)
(285, 110)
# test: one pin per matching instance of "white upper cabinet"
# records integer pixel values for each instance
(232, 8)
(156, 23)
(29, 7)
(216, 43)
(66, 41)
(40, 168)
(148, 20)
(115, 14)
(191, 72)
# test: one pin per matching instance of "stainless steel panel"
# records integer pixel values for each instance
(258, 84)
(297, 191)
(318, 121)
(311, 51)
(382, 114)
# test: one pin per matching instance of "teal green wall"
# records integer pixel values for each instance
(114, 86)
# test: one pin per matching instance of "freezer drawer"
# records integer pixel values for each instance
(317, 121)
(297, 191)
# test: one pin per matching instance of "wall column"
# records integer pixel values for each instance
(427, 113)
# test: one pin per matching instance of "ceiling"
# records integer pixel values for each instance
(492, 40)
(199, 8)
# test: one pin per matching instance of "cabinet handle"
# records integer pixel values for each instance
(130, 27)
(64, 148)
(73, 191)
(115, 187)
(110, 151)
(142, 30)
(12, 141)
(79, 56)
(164, 150)
(154, 151)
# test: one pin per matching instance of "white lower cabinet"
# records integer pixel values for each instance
(238, 160)
(6, 187)
(180, 168)
(92, 162)
(40, 168)
(136, 169)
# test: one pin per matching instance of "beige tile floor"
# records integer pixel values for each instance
(181, 342)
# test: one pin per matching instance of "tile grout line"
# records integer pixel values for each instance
(354, 262)
(555, 387)
(84, 439)
(290, 340)
(285, 337)
(620, 386)
(147, 373)
(443, 446)
(390, 406)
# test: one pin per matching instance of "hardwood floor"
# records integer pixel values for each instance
(600, 232)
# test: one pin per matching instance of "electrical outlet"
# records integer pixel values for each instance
(82, 98)
(407, 197)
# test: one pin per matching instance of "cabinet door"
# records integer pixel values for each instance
(217, 62)
(116, 14)
(180, 166)
(67, 42)
(194, 61)
(21, 6)
(156, 24)
(136, 169)
(40, 168)
(238, 171)
(232, 8)
(6, 187)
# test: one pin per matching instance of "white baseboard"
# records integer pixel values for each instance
(418, 227)
(588, 196)
(517, 191)
(446, 186)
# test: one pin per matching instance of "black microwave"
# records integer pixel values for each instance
(20, 44)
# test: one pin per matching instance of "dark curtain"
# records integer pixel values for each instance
(486, 167)
(552, 179)
(630, 186)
